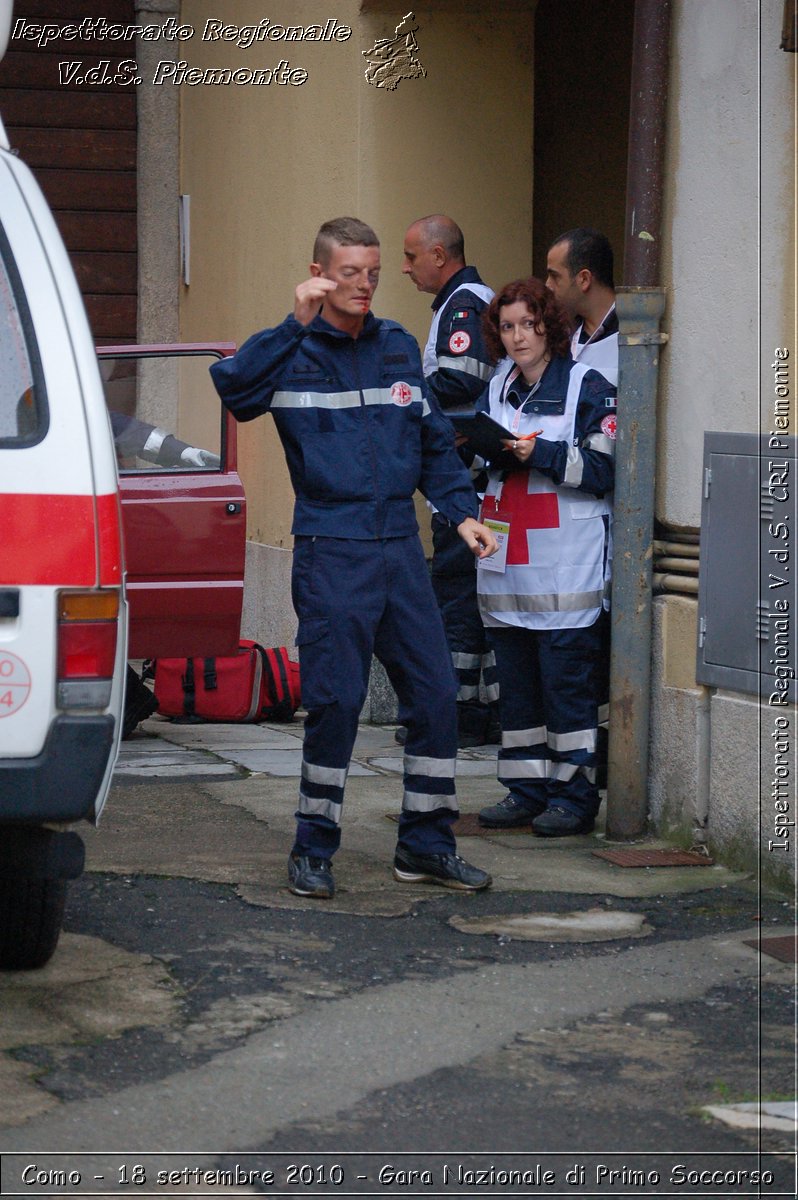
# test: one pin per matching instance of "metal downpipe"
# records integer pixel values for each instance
(640, 306)
(639, 314)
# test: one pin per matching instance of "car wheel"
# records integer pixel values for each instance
(31, 912)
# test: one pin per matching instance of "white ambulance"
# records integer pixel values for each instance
(63, 630)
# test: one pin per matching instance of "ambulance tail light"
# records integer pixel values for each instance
(87, 631)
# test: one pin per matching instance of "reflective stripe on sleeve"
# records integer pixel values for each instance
(600, 441)
(153, 443)
(574, 467)
(469, 366)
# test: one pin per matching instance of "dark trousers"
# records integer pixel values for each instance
(551, 685)
(454, 580)
(355, 599)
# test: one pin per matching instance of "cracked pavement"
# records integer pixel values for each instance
(578, 1014)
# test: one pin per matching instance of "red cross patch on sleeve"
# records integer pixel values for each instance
(459, 342)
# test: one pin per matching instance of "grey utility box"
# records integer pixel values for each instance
(747, 608)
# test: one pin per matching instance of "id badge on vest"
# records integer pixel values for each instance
(497, 521)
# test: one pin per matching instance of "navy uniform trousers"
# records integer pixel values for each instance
(552, 684)
(354, 599)
(454, 581)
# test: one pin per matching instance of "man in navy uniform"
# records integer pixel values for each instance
(360, 435)
(457, 369)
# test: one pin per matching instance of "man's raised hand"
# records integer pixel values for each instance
(309, 297)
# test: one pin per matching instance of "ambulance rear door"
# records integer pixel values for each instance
(62, 614)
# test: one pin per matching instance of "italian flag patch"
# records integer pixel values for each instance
(461, 315)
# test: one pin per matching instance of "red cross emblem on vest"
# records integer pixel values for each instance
(535, 510)
(401, 393)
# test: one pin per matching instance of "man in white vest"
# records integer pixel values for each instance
(456, 369)
(579, 272)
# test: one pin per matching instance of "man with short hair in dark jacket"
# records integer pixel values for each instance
(360, 435)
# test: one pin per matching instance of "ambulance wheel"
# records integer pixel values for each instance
(31, 912)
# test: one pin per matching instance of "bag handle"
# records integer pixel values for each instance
(282, 709)
(189, 689)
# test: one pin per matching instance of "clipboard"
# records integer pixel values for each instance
(484, 434)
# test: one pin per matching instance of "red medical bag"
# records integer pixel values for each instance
(254, 685)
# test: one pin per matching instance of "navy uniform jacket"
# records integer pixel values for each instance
(359, 433)
(456, 364)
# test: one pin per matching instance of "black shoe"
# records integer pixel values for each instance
(310, 877)
(401, 735)
(561, 822)
(509, 813)
(449, 870)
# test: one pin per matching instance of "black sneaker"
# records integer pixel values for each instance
(509, 813)
(449, 870)
(310, 877)
(561, 822)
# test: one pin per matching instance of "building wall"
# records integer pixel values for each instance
(266, 166)
(728, 254)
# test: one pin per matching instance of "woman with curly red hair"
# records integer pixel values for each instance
(544, 596)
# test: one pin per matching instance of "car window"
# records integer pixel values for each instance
(165, 413)
(23, 410)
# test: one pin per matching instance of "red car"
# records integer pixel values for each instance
(183, 506)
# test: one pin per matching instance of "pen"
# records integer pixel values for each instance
(527, 437)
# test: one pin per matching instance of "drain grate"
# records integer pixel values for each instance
(654, 858)
(783, 948)
(467, 825)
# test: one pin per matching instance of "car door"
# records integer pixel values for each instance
(183, 504)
